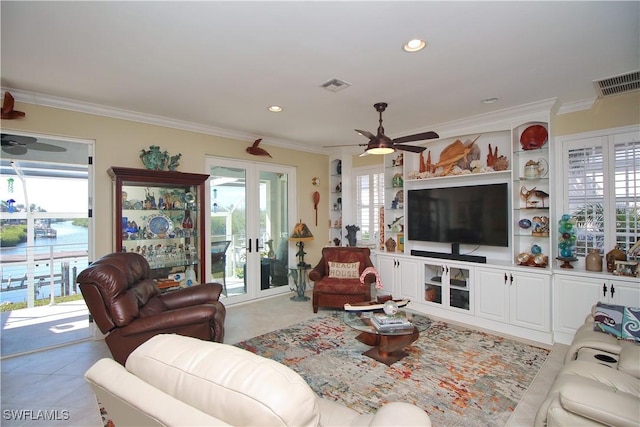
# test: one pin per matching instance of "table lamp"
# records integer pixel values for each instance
(301, 234)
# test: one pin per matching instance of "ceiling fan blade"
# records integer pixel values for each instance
(16, 139)
(344, 145)
(365, 133)
(416, 137)
(14, 150)
(40, 146)
(411, 148)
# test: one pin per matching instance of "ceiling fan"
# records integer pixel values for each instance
(18, 145)
(382, 144)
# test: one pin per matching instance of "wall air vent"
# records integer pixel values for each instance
(616, 85)
(335, 85)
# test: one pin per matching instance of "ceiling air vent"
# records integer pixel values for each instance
(616, 85)
(335, 85)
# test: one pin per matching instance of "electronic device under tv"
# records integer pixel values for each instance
(475, 214)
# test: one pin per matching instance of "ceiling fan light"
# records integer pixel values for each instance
(380, 150)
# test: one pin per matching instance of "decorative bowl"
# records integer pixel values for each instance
(524, 223)
(533, 137)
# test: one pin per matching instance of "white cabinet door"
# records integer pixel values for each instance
(491, 289)
(387, 271)
(399, 276)
(530, 301)
(575, 296)
(407, 278)
(625, 293)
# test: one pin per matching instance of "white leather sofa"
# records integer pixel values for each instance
(173, 380)
(599, 385)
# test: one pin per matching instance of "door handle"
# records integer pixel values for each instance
(505, 278)
(249, 245)
(510, 279)
(604, 289)
(613, 291)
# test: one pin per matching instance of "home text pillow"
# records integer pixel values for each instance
(344, 270)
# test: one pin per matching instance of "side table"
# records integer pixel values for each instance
(299, 275)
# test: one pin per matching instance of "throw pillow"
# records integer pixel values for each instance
(617, 320)
(344, 270)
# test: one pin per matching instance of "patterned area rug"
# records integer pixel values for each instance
(459, 376)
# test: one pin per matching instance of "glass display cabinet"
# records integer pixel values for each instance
(159, 214)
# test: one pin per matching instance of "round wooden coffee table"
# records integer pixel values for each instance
(387, 346)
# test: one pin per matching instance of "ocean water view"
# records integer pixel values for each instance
(63, 253)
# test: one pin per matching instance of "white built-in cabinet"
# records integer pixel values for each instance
(519, 298)
(575, 294)
(477, 293)
(506, 299)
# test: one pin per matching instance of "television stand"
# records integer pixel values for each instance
(455, 257)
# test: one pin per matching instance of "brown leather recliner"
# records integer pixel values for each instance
(128, 307)
(334, 287)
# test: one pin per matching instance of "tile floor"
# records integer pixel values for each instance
(52, 380)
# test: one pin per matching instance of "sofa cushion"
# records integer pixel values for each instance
(232, 384)
(330, 285)
(344, 270)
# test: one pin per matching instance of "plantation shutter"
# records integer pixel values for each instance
(369, 193)
(603, 191)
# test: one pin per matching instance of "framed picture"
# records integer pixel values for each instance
(626, 268)
(401, 242)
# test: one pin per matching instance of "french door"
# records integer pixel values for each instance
(250, 221)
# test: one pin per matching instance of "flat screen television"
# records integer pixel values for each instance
(475, 214)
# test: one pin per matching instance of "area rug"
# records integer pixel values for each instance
(460, 377)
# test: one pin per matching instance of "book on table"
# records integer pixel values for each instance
(384, 322)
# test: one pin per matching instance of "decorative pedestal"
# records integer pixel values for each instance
(299, 275)
(566, 261)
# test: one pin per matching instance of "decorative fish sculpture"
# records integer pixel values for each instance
(396, 224)
(257, 151)
(8, 113)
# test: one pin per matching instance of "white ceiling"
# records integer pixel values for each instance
(219, 65)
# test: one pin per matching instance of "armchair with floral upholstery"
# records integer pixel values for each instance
(337, 277)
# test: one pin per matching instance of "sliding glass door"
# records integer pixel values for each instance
(250, 224)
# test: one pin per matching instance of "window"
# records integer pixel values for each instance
(603, 190)
(369, 189)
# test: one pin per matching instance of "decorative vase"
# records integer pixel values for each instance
(187, 222)
(593, 261)
(390, 245)
(612, 256)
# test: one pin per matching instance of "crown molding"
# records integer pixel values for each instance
(121, 114)
(504, 119)
(572, 107)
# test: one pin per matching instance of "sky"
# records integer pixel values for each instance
(53, 195)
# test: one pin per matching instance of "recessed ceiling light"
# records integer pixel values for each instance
(275, 108)
(414, 45)
(489, 100)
